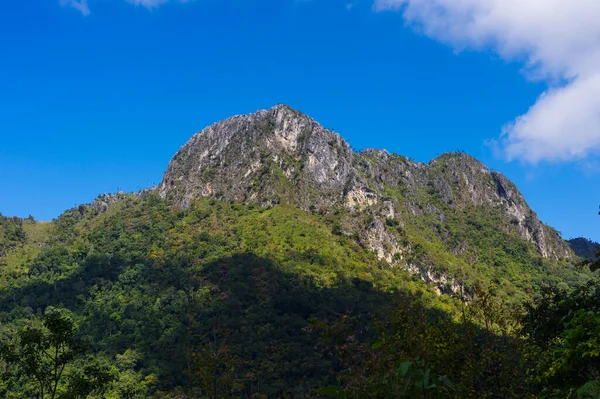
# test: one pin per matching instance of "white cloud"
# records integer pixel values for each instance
(79, 5)
(564, 124)
(559, 40)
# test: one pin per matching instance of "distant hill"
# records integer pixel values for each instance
(583, 247)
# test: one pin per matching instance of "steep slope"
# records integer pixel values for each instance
(463, 181)
(270, 157)
(410, 214)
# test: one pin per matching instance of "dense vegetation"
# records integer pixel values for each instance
(583, 247)
(224, 301)
(12, 234)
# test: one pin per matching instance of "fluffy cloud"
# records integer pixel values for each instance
(558, 40)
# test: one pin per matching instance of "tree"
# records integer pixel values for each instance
(93, 377)
(563, 332)
(41, 353)
(593, 264)
(213, 370)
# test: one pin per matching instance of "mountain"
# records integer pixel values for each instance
(272, 260)
(583, 247)
(281, 156)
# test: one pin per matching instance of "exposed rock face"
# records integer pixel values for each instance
(440, 282)
(282, 156)
(384, 244)
(463, 180)
(272, 156)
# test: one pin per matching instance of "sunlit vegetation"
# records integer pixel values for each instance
(238, 301)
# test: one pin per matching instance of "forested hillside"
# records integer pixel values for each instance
(583, 247)
(316, 272)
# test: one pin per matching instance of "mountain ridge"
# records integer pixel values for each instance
(280, 155)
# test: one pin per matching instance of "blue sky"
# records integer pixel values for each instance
(97, 96)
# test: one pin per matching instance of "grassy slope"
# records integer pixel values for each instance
(37, 234)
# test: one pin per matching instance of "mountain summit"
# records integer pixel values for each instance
(272, 156)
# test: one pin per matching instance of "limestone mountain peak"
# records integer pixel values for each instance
(282, 156)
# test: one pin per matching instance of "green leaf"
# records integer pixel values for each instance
(404, 368)
(590, 388)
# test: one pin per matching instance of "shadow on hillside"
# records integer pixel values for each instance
(263, 315)
(258, 311)
(246, 320)
(35, 293)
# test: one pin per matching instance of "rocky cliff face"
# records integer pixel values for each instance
(462, 180)
(282, 156)
(270, 157)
